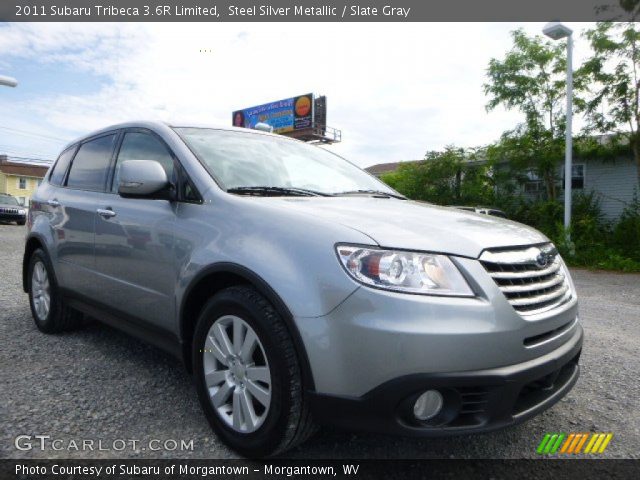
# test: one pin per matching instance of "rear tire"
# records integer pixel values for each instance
(286, 421)
(48, 309)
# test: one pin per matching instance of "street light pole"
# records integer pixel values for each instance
(568, 168)
(8, 81)
(556, 31)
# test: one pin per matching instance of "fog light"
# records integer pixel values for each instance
(428, 405)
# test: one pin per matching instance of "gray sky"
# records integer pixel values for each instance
(395, 90)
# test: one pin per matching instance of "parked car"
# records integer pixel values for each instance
(298, 289)
(11, 210)
(484, 210)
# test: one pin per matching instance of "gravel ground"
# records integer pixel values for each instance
(100, 384)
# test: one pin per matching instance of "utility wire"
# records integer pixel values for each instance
(31, 134)
(10, 150)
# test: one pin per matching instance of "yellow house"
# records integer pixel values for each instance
(20, 179)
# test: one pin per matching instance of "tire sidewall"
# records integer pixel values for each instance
(268, 437)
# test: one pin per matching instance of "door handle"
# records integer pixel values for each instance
(53, 203)
(106, 213)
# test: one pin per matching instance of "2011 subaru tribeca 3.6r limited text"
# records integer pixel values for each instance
(298, 289)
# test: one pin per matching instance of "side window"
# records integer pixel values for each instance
(189, 192)
(60, 168)
(142, 146)
(91, 164)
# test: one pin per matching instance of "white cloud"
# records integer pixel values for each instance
(396, 90)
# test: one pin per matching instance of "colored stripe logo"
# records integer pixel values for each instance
(573, 443)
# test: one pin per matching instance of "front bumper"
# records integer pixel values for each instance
(12, 217)
(474, 401)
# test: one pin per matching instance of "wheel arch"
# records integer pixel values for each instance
(214, 278)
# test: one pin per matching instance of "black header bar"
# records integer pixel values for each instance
(309, 10)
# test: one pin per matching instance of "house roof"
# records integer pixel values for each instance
(21, 169)
(382, 168)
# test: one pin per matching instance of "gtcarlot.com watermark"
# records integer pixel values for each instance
(46, 442)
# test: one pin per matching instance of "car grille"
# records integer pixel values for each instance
(13, 211)
(533, 279)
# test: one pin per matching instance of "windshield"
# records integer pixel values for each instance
(238, 159)
(8, 200)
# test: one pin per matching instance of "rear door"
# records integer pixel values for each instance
(73, 206)
(135, 239)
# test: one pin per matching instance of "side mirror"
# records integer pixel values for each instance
(143, 179)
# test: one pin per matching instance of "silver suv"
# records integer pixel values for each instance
(298, 289)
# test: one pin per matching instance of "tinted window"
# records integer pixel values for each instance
(143, 146)
(8, 200)
(60, 168)
(189, 192)
(90, 166)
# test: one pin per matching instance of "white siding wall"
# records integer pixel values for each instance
(614, 181)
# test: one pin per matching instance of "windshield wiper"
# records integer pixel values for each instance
(277, 191)
(371, 192)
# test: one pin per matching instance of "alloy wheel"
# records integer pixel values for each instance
(236, 374)
(40, 291)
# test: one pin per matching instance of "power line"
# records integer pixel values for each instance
(38, 157)
(10, 150)
(31, 134)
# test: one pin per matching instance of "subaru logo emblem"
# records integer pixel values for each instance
(543, 258)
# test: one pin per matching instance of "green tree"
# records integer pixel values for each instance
(531, 79)
(612, 77)
(520, 151)
(446, 177)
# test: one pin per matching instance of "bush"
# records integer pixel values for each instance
(626, 234)
(595, 243)
(546, 216)
(445, 178)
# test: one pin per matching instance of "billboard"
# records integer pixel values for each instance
(288, 115)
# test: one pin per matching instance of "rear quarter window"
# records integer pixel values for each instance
(61, 166)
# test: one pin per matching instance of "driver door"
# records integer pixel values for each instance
(134, 240)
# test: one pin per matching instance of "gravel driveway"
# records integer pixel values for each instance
(99, 384)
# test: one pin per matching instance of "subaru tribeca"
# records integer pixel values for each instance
(298, 289)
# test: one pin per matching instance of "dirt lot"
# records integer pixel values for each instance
(99, 384)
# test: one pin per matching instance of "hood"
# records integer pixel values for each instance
(412, 225)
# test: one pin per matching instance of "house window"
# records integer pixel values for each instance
(22, 183)
(39, 181)
(577, 176)
(532, 183)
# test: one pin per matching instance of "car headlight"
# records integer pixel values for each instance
(21, 212)
(400, 271)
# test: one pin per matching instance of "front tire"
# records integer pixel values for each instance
(248, 376)
(48, 309)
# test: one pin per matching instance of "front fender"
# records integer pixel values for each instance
(296, 258)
